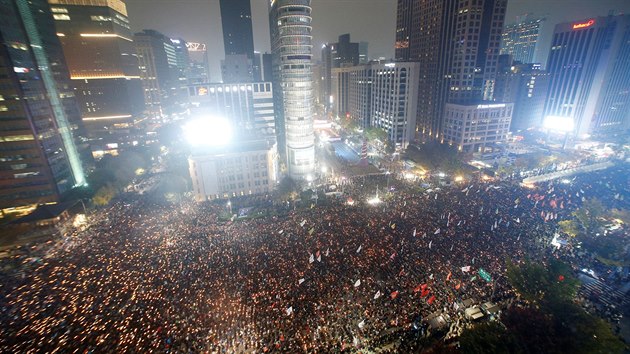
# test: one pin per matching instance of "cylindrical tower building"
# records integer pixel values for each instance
(290, 22)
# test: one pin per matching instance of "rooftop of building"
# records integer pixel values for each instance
(238, 146)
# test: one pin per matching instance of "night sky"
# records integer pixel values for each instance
(366, 20)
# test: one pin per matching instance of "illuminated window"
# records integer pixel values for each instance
(59, 10)
(16, 138)
(61, 17)
(100, 18)
(3, 108)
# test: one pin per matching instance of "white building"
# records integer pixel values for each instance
(291, 47)
(250, 106)
(246, 169)
(379, 95)
(476, 127)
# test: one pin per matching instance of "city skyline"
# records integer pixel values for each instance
(200, 21)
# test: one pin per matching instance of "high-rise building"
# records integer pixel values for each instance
(457, 44)
(159, 73)
(337, 55)
(236, 20)
(379, 95)
(363, 53)
(98, 47)
(248, 106)
(326, 77)
(290, 27)
(199, 69)
(239, 64)
(236, 68)
(526, 86)
(267, 67)
(257, 67)
(521, 40)
(345, 52)
(404, 16)
(589, 65)
(317, 84)
(183, 59)
(41, 123)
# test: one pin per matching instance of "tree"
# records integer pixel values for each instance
(171, 183)
(621, 214)
(375, 133)
(554, 322)
(104, 195)
(543, 284)
(306, 195)
(610, 248)
(580, 332)
(589, 213)
(287, 189)
(489, 337)
(569, 227)
(533, 330)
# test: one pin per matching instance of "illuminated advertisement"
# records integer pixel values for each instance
(581, 25)
(202, 91)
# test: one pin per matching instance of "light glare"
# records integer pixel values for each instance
(208, 132)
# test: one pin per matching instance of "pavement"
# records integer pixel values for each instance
(344, 151)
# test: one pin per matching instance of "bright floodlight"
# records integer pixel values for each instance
(212, 131)
(559, 124)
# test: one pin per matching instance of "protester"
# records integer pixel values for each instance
(150, 277)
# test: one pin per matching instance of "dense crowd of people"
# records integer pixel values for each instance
(158, 277)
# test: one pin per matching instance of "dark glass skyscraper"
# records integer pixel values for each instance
(526, 86)
(159, 72)
(337, 55)
(39, 117)
(404, 16)
(589, 65)
(521, 40)
(98, 46)
(236, 20)
(457, 45)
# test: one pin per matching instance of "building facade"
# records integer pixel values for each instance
(457, 44)
(159, 73)
(379, 95)
(183, 60)
(249, 106)
(521, 40)
(344, 53)
(525, 85)
(41, 131)
(477, 127)
(98, 47)
(239, 64)
(252, 168)
(589, 65)
(237, 68)
(236, 21)
(364, 57)
(291, 46)
(404, 16)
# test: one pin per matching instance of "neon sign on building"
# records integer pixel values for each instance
(586, 24)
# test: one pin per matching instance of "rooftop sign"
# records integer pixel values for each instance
(581, 25)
